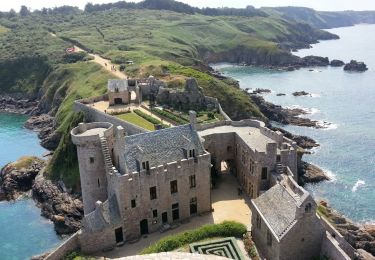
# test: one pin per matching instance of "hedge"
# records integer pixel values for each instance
(169, 243)
(178, 120)
(150, 118)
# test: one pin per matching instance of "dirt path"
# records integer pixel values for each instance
(106, 64)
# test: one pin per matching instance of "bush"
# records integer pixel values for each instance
(74, 57)
(174, 118)
(150, 118)
(225, 229)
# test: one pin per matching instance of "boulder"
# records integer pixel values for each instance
(309, 173)
(300, 93)
(280, 94)
(337, 63)
(354, 65)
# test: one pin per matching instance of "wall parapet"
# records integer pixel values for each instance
(69, 245)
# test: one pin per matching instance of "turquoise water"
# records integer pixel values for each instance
(23, 232)
(347, 101)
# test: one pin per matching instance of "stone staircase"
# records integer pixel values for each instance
(109, 168)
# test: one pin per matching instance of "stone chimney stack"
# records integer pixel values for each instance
(193, 119)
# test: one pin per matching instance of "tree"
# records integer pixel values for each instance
(24, 11)
(12, 13)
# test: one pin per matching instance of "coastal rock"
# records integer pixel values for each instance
(300, 93)
(45, 125)
(38, 123)
(311, 60)
(261, 91)
(355, 66)
(283, 115)
(19, 104)
(62, 208)
(337, 63)
(302, 141)
(280, 94)
(360, 237)
(17, 178)
(309, 173)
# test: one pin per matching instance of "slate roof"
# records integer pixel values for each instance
(278, 208)
(117, 83)
(160, 147)
(108, 216)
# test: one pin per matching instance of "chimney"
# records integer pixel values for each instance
(193, 119)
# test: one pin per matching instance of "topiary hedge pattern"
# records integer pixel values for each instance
(225, 229)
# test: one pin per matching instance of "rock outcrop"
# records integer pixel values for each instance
(309, 173)
(337, 63)
(261, 91)
(354, 65)
(18, 104)
(18, 177)
(62, 208)
(300, 93)
(359, 237)
(25, 175)
(283, 115)
(302, 141)
(45, 125)
(312, 61)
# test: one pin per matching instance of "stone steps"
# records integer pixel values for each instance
(107, 157)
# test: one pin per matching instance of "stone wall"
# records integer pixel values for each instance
(331, 249)
(94, 115)
(69, 245)
(97, 241)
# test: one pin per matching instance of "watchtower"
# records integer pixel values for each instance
(91, 141)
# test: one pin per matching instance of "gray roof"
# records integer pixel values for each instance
(278, 208)
(108, 216)
(120, 84)
(160, 147)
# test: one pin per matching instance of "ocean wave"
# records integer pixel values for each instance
(332, 177)
(358, 184)
(325, 125)
(309, 111)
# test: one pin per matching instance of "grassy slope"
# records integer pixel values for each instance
(83, 80)
(158, 42)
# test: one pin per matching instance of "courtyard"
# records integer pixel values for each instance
(226, 204)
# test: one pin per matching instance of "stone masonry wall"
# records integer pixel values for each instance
(69, 245)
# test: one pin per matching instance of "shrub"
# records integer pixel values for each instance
(74, 57)
(250, 246)
(150, 118)
(225, 229)
(174, 118)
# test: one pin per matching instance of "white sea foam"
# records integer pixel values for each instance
(332, 177)
(358, 184)
(327, 125)
(314, 95)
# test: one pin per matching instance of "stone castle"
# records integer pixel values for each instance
(134, 184)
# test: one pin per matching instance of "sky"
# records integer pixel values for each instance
(322, 5)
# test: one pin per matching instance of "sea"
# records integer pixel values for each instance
(343, 101)
(23, 231)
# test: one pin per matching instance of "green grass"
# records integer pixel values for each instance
(137, 120)
(170, 243)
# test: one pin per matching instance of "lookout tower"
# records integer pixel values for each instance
(92, 141)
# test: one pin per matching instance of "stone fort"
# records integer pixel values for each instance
(137, 183)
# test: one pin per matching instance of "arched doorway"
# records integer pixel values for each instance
(144, 226)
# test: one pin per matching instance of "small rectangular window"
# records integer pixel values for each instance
(153, 193)
(173, 187)
(133, 204)
(92, 160)
(192, 181)
(259, 222)
(264, 173)
(146, 165)
(155, 213)
(278, 158)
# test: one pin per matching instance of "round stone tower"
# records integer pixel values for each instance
(90, 139)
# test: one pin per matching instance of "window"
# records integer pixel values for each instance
(259, 222)
(193, 206)
(175, 212)
(146, 166)
(133, 204)
(98, 183)
(269, 238)
(308, 208)
(191, 153)
(116, 90)
(264, 173)
(278, 158)
(192, 181)
(173, 187)
(153, 193)
(155, 213)
(92, 160)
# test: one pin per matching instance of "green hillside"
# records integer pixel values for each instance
(169, 45)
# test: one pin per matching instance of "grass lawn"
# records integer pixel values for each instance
(137, 120)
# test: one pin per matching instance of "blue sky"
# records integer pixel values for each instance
(328, 5)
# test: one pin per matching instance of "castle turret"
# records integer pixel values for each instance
(87, 138)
